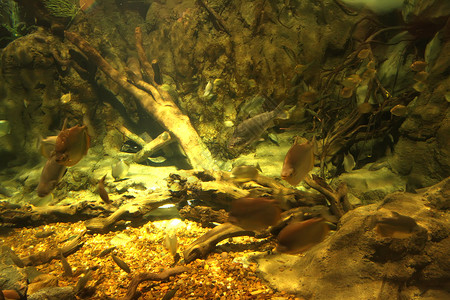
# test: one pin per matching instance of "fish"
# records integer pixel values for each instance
(157, 159)
(252, 107)
(85, 5)
(298, 237)
(81, 284)
(245, 173)
(254, 214)
(352, 81)
(119, 170)
(170, 293)
(102, 191)
(418, 66)
(420, 86)
(15, 258)
(421, 76)
(123, 265)
(44, 234)
(50, 176)
(5, 128)
(274, 138)
(47, 146)
(298, 162)
(346, 92)
(66, 266)
(397, 226)
(10, 295)
(349, 162)
(106, 251)
(208, 89)
(72, 145)
(399, 110)
(171, 243)
(251, 129)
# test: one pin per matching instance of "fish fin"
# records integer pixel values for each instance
(258, 167)
(64, 125)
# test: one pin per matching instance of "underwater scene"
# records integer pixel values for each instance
(225, 149)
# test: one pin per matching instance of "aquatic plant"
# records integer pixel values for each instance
(62, 8)
(15, 27)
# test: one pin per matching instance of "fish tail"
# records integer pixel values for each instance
(279, 112)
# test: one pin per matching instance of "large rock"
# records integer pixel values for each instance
(372, 185)
(356, 263)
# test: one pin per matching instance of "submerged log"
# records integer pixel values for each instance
(157, 103)
(54, 253)
(29, 215)
(207, 242)
(132, 211)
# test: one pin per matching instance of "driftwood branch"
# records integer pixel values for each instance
(131, 136)
(335, 198)
(147, 276)
(157, 103)
(131, 211)
(54, 253)
(146, 66)
(159, 142)
(207, 242)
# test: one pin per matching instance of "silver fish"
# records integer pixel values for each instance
(171, 243)
(251, 129)
(349, 162)
(208, 89)
(119, 170)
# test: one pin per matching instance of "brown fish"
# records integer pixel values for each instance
(123, 265)
(102, 191)
(71, 145)
(298, 162)
(50, 176)
(47, 146)
(254, 213)
(418, 66)
(245, 173)
(398, 226)
(298, 237)
(66, 266)
(10, 294)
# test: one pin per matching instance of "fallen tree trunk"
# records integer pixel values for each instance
(130, 212)
(44, 257)
(157, 103)
(29, 215)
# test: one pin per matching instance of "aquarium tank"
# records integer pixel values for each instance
(225, 149)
